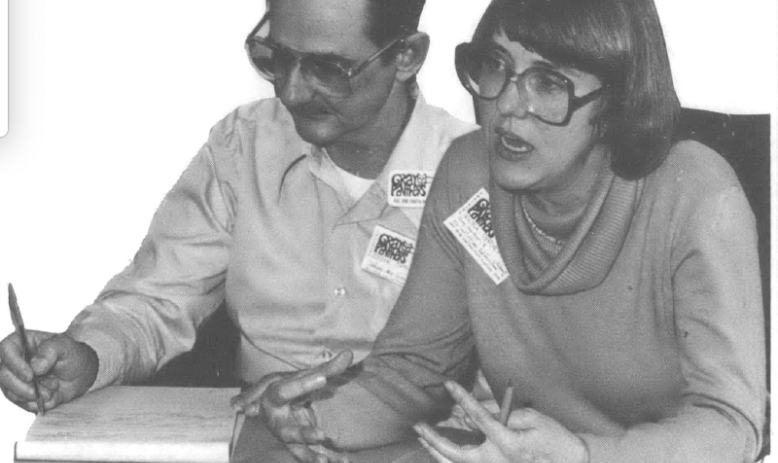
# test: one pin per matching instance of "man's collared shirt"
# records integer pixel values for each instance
(263, 220)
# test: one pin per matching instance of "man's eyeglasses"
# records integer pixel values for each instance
(486, 70)
(274, 62)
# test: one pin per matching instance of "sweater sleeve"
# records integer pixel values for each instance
(719, 324)
(148, 314)
(426, 341)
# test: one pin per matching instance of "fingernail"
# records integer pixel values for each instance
(35, 363)
(320, 381)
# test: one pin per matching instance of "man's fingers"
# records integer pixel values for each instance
(27, 405)
(48, 353)
(301, 435)
(10, 382)
(330, 456)
(304, 454)
(285, 391)
(248, 400)
(48, 384)
(12, 357)
(291, 387)
(336, 365)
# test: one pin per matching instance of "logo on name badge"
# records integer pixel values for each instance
(389, 255)
(409, 188)
(471, 224)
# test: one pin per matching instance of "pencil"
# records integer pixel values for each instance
(16, 318)
(507, 403)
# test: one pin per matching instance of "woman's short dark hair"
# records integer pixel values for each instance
(620, 42)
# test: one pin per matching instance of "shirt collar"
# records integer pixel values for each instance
(408, 155)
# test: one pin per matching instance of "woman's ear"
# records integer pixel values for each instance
(412, 56)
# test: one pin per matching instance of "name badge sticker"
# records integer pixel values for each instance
(471, 224)
(409, 188)
(389, 255)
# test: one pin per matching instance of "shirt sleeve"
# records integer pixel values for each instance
(426, 341)
(149, 313)
(719, 322)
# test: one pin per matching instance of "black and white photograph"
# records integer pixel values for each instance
(447, 231)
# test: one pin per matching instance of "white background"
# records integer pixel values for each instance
(109, 100)
(3, 67)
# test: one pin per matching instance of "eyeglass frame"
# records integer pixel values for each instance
(574, 103)
(349, 72)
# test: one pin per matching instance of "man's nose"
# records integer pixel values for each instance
(293, 88)
(513, 100)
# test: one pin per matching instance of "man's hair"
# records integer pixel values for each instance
(620, 42)
(388, 19)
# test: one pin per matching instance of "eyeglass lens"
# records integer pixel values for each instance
(488, 74)
(277, 63)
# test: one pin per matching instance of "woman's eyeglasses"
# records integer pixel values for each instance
(486, 70)
(331, 75)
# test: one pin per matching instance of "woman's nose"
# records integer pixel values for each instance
(513, 100)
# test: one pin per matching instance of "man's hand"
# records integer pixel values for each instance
(65, 369)
(281, 399)
(529, 436)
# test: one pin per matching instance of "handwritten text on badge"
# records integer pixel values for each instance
(389, 255)
(409, 188)
(471, 224)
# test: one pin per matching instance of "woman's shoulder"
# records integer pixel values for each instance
(695, 184)
(466, 162)
(693, 169)
(463, 173)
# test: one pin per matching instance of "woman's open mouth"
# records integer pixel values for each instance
(511, 146)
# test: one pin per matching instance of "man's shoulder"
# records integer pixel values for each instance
(442, 124)
(258, 133)
(261, 114)
(264, 120)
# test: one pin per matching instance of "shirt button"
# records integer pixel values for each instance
(340, 291)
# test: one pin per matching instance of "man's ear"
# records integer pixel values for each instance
(411, 58)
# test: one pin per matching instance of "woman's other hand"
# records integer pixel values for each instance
(529, 436)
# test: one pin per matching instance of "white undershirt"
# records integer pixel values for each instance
(356, 186)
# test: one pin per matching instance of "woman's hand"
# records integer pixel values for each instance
(280, 399)
(529, 436)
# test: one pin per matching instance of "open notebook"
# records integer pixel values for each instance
(133, 424)
(136, 424)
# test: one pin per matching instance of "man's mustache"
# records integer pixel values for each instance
(309, 109)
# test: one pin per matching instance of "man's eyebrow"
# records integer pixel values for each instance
(326, 56)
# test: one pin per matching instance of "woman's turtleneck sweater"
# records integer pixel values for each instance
(643, 332)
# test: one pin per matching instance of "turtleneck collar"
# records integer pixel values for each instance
(540, 266)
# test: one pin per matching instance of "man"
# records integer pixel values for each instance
(286, 214)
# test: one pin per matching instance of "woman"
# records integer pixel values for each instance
(603, 270)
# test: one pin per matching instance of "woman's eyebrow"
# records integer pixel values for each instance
(568, 71)
(541, 63)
